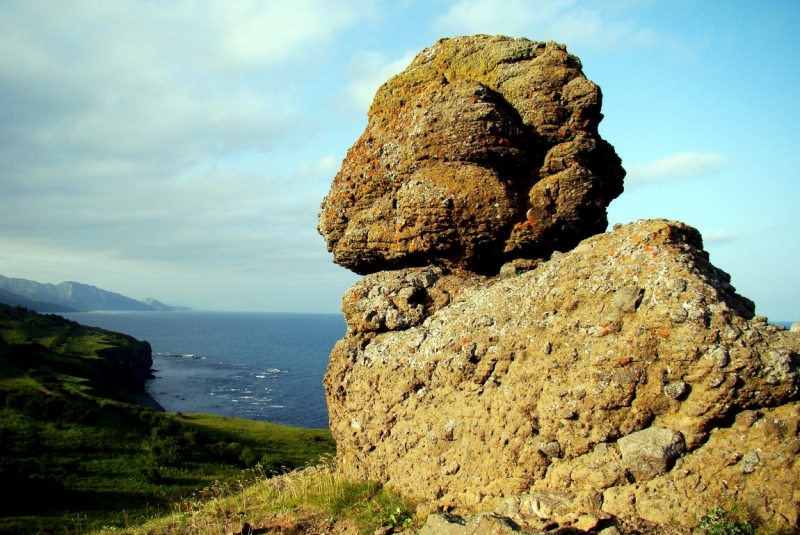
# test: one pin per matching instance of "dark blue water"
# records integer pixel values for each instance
(259, 366)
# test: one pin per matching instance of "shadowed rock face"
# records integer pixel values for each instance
(483, 150)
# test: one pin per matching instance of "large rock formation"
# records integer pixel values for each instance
(626, 376)
(483, 150)
(623, 378)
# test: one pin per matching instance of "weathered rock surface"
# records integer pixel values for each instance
(485, 524)
(755, 465)
(466, 389)
(483, 150)
(649, 452)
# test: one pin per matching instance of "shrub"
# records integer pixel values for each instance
(399, 518)
(718, 521)
(248, 457)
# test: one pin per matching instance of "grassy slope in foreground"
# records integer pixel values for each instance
(314, 500)
(78, 456)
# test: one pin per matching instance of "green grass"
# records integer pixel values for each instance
(88, 360)
(317, 499)
(109, 463)
(738, 518)
(277, 448)
(718, 521)
(76, 455)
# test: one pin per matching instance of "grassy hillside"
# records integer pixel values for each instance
(78, 455)
(85, 360)
(315, 500)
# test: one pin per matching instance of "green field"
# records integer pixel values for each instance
(78, 454)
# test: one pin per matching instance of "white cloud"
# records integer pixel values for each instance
(683, 166)
(574, 22)
(155, 83)
(155, 145)
(324, 166)
(187, 36)
(510, 17)
(254, 32)
(172, 235)
(721, 237)
(367, 71)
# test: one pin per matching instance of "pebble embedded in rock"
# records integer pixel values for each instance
(749, 462)
(675, 389)
(587, 522)
(482, 524)
(647, 453)
(450, 468)
(678, 315)
(746, 419)
(721, 357)
(626, 299)
(517, 267)
(551, 449)
(716, 381)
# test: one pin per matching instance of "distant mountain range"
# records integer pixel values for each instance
(71, 297)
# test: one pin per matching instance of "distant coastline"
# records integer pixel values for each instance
(74, 297)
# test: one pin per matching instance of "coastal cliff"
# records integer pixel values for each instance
(503, 351)
(88, 358)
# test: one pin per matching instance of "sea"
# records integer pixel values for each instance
(260, 366)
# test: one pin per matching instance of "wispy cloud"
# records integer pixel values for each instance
(682, 166)
(184, 234)
(721, 237)
(324, 166)
(567, 21)
(154, 84)
(366, 72)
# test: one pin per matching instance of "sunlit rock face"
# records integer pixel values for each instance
(626, 373)
(503, 351)
(483, 150)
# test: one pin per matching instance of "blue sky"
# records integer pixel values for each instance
(180, 149)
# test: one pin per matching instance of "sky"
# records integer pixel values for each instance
(180, 149)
